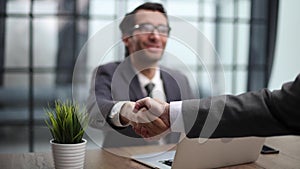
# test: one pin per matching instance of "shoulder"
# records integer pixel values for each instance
(110, 65)
(107, 68)
(172, 72)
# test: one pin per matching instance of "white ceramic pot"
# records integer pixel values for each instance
(67, 156)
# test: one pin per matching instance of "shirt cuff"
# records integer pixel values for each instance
(115, 114)
(176, 118)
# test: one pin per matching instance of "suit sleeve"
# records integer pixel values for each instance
(262, 113)
(100, 101)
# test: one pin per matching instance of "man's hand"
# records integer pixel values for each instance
(126, 113)
(153, 119)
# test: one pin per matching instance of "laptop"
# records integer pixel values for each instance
(205, 153)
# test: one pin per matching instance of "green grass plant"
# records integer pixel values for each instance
(66, 122)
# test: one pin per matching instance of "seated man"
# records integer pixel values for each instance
(116, 85)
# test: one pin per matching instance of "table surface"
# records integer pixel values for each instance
(288, 158)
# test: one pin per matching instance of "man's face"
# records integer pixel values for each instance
(144, 45)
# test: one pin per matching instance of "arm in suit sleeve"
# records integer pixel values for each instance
(100, 102)
(261, 113)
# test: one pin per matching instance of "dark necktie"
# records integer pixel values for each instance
(149, 87)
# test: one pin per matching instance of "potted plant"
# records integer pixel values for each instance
(67, 122)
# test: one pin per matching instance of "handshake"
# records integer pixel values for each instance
(148, 117)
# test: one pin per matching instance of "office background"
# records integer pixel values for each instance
(40, 41)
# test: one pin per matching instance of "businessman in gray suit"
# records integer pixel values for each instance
(116, 85)
(258, 113)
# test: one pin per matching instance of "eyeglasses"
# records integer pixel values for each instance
(149, 28)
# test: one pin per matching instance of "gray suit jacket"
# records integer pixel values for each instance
(260, 113)
(117, 81)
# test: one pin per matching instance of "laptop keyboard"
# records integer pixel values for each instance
(167, 162)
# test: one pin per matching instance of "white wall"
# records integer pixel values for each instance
(287, 54)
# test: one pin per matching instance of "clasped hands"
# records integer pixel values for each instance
(148, 117)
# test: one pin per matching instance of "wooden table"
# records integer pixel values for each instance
(288, 158)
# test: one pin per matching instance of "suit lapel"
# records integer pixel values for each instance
(171, 88)
(135, 90)
(131, 79)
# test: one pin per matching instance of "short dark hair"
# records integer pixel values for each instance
(128, 22)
